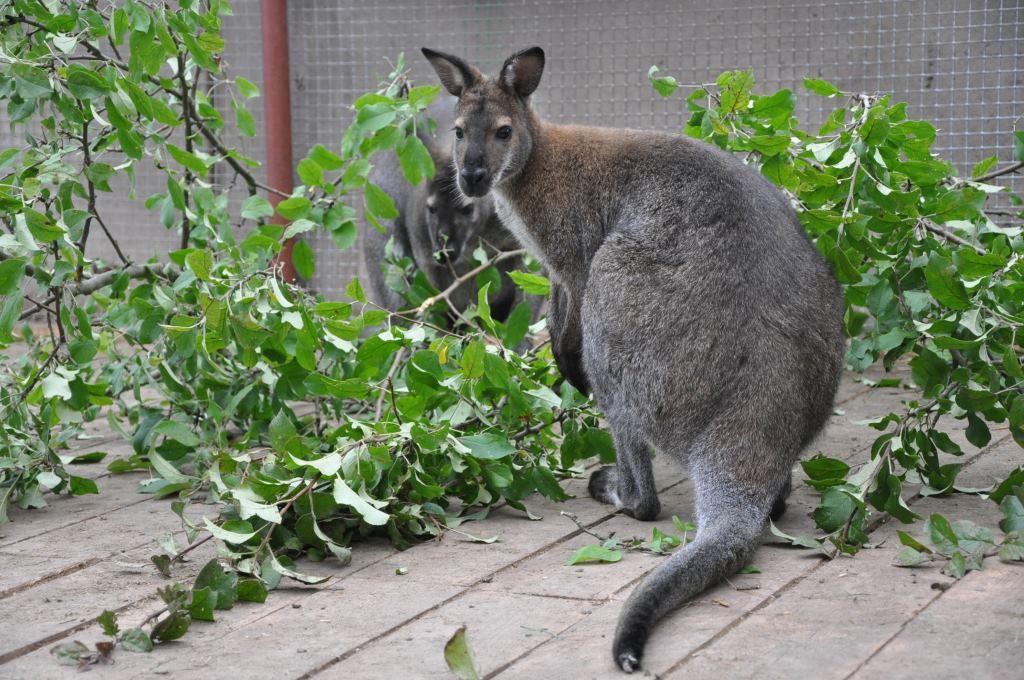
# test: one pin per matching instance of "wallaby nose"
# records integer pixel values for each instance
(473, 177)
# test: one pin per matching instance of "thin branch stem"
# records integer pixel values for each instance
(999, 172)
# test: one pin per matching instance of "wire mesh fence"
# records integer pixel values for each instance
(958, 63)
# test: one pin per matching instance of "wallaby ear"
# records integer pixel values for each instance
(522, 71)
(456, 75)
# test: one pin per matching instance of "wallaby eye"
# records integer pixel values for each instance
(504, 132)
(432, 209)
(468, 210)
(458, 133)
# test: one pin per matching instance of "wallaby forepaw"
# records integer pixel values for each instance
(603, 486)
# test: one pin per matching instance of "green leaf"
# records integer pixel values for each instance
(777, 107)
(70, 653)
(928, 369)
(1012, 507)
(908, 557)
(594, 554)
(82, 486)
(984, 166)
(472, 361)
(325, 158)
(228, 536)
(251, 590)
(108, 622)
(459, 656)
(221, 584)
(256, 207)
(835, 509)
(663, 85)
(822, 87)
(200, 262)
(55, 385)
(911, 542)
(354, 290)
(86, 84)
(294, 208)
(246, 88)
(202, 604)
(179, 432)
(187, 159)
(30, 82)
(11, 272)
(378, 203)
(956, 567)
(415, 160)
(488, 445)
(244, 120)
(532, 284)
(304, 259)
(941, 533)
(344, 495)
(973, 265)
(944, 285)
(136, 640)
(173, 626)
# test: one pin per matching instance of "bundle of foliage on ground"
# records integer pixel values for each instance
(315, 422)
(312, 422)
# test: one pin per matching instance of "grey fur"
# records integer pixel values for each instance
(711, 327)
(458, 224)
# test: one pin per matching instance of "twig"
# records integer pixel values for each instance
(949, 236)
(395, 364)
(91, 189)
(999, 172)
(186, 226)
(184, 551)
(446, 294)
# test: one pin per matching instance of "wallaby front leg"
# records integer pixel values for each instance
(629, 484)
(567, 337)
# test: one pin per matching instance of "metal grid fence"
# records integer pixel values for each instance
(958, 63)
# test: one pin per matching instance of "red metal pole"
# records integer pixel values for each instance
(277, 111)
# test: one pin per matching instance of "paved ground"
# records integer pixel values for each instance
(528, 615)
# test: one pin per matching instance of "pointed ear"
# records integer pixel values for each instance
(522, 71)
(456, 75)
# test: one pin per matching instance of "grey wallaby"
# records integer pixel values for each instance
(437, 227)
(710, 326)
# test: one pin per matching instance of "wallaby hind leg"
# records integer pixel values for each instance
(730, 517)
(779, 506)
(629, 484)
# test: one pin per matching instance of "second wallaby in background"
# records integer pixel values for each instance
(711, 327)
(437, 227)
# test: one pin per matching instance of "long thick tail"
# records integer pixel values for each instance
(727, 537)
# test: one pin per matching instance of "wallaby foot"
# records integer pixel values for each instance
(779, 506)
(602, 485)
(605, 487)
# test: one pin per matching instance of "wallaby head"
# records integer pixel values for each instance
(452, 222)
(494, 126)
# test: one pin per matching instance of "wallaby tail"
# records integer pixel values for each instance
(727, 536)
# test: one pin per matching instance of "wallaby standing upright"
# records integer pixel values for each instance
(711, 326)
(437, 228)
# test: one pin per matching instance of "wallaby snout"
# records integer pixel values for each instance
(474, 182)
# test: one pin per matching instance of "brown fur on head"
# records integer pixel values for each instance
(494, 127)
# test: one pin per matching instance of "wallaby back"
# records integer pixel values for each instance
(710, 326)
